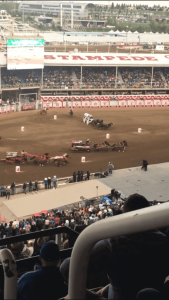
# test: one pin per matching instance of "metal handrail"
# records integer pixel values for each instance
(38, 234)
(129, 223)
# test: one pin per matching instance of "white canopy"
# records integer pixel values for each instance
(123, 31)
(129, 31)
(156, 33)
(136, 32)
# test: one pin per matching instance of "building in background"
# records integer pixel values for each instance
(54, 8)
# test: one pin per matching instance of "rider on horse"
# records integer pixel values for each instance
(71, 112)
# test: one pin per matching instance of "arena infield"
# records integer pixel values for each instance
(44, 134)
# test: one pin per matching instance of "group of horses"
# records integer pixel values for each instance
(100, 125)
(106, 146)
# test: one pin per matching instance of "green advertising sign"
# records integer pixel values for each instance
(25, 42)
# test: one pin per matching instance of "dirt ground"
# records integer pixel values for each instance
(44, 134)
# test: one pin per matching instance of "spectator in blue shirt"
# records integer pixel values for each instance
(54, 180)
(2, 189)
(46, 282)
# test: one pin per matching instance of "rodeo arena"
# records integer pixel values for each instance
(84, 151)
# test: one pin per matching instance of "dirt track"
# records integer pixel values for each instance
(44, 134)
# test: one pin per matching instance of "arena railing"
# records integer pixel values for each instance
(9, 284)
(129, 223)
(30, 262)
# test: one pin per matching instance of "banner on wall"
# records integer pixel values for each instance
(31, 106)
(94, 103)
(122, 103)
(85, 103)
(131, 103)
(104, 103)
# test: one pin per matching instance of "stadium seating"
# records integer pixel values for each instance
(57, 77)
(20, 78)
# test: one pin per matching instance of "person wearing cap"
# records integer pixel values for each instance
(46, 282)
(110, 168)
(46, 183)
(49, 183)
(54, 180)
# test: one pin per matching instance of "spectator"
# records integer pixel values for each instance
(88, 175)
(46, 282)
(54, 180)
(81, 176)
(74, 176)
(24, 187)
(27, 227)
(30, 186)
(13, 188)
(2, 190)
(46, 183)
(36, 185)
(49, 183)
(131, 262)
(110, 168)
(21, 251)
(8, 192)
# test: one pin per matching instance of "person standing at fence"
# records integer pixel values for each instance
(8, 192)
(30, 186)
(110, 168)
(74, 176)
(88, 175)
(24, 187)
(49, 183)
(46, 183)
(36, 185)
(54, 180)
(81, 175)
(2, 190)
(13, 187)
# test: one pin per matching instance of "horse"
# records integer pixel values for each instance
(120, 146)
(43, 112)
(97, 121)
(59, 160)
(104, 126)
(71, 112)
(100, 146)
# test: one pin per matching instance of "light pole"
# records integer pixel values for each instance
(139, 38)
(126, 35)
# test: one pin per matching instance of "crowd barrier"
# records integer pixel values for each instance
(105, 101)
(7, 108)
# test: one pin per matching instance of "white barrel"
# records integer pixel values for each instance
(83, 159)
(22, 128)
(17, 169)
(139, 130)
(107, 136)
(55, 117)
